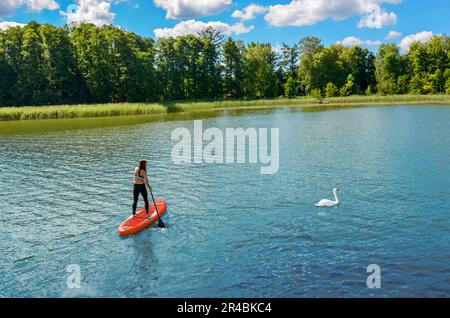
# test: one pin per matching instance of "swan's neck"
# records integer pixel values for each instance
(336, 197)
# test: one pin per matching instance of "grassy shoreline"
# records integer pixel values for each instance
(133, 109)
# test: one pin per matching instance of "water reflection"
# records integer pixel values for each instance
(54, 125)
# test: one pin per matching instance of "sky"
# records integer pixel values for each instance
(349, 22)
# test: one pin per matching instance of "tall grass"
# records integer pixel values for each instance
(391, 99)
(237, 103)
(310, 101)
(129, 109)
(79, 111)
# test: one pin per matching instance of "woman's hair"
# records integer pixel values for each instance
(142, 165)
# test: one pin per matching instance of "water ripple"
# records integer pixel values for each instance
(231, 231)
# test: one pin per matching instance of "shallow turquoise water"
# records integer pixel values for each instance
(232, 231)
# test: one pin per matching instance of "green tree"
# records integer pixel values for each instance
(169, 69)
(447, 81)
(390, 65)
(12, 40)
(331, 90)
(308, 48)
(59, 66)
(233, 68)
(427, 64)
(349, 87)
(32, 81)
(44, 64)
(259, 65)
(93, 52)
(289, 60)
(417, 68)
(316, 93)
(211, 80)
(189, 66)
(360, 63)
(290, 88)
(327, 67)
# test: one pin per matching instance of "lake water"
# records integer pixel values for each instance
(66, 186)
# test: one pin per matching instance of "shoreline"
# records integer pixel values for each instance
(136, 109)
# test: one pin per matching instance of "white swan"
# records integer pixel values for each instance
(328, 203)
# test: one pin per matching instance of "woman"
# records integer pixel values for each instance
(140, 181)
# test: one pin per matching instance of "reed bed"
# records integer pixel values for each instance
(79, 111)
(133, 109)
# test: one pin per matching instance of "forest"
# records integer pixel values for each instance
(41, 64)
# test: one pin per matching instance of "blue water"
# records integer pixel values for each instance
(232, 231)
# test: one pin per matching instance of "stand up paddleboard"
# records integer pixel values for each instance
(140, 221)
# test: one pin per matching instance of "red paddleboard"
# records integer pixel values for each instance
(141, 220)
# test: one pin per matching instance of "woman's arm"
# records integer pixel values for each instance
(146, 181)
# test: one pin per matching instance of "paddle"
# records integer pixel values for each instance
(160, 222)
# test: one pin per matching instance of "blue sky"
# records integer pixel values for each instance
(365, 22)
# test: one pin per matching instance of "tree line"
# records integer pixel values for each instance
(42, 64)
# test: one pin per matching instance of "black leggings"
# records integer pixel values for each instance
(140, 189)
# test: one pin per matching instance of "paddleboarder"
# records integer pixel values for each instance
(140, 185)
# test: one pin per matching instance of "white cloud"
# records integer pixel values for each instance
(6, 25)
(7, 7)
(90, 11)
(377, 18)
(350, 41)
(421, 37)
(309, 12)
(39, 5)
(249, 12)
(194, 27)
(354, 41)
(182, 9)
(393, 35)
